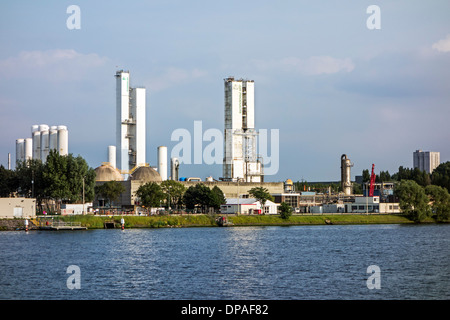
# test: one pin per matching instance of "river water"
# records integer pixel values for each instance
(245, 263)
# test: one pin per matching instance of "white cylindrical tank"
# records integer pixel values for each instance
(34, 128)
(112, 156)
(45, 145)
(63, 140)
(20, 150)
(36, 145)
(53, 140)
(28, 149)
(162, 162)
(174, 165)
(43, 127)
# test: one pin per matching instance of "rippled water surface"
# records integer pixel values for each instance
(291, 263)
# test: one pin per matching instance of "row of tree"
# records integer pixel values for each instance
(418, 202)
(60, 179)
(439, 177)
(170, 194)
(174, 195)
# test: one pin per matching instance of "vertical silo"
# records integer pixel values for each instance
(36, 141)
(45, 145)
(53, 140)
(36, 145)
(34, 128)
(63, 140)
(137, 130)
(20, 150)
(28, 149)
(112, 156)
(162, 162)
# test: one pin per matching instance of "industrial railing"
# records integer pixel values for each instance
(60, 223)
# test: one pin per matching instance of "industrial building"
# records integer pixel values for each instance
(248, 206)
(130, 124)
(240, 160)
(43, 139)
(18, 208)
(426, 160)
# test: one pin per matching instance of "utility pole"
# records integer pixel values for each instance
(83, 195)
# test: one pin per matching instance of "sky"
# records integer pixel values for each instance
(326, 81)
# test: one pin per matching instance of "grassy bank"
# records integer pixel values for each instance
(200, 220)
(93, 222)
(96, 222)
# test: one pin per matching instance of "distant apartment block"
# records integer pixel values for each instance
(426, 160)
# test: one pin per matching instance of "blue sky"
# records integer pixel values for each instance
(327, 82)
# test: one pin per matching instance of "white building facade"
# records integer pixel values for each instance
(248, 206)
(426, 160)
(240, 145)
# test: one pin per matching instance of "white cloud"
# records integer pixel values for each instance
(315, 65)
(53, 65)
(442, 45)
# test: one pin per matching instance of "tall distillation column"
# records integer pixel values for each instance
(346, 183)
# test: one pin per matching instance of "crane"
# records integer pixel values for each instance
(372, 181)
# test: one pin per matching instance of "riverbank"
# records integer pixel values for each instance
(203, 220)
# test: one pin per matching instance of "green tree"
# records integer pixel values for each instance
(63, 178)
(55, 178)
(174, 192)
(383, 176)
(217, 198)
(261, 194)
(285, 211)
(441, 175)
(365, 175)
(109, 190)
(420, 177)
(440, 199)
(30, 181)
(79, 173)
(8, 182)
(198, 196)
(150, 195)
(413, 200)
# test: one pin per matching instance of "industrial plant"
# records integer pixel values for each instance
(242, 167)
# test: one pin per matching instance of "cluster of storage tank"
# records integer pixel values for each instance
(43, 139)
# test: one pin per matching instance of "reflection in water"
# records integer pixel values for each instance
(311, 262)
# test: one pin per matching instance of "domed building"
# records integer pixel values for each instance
(146, 174)
(288, 185)
(107, 172)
